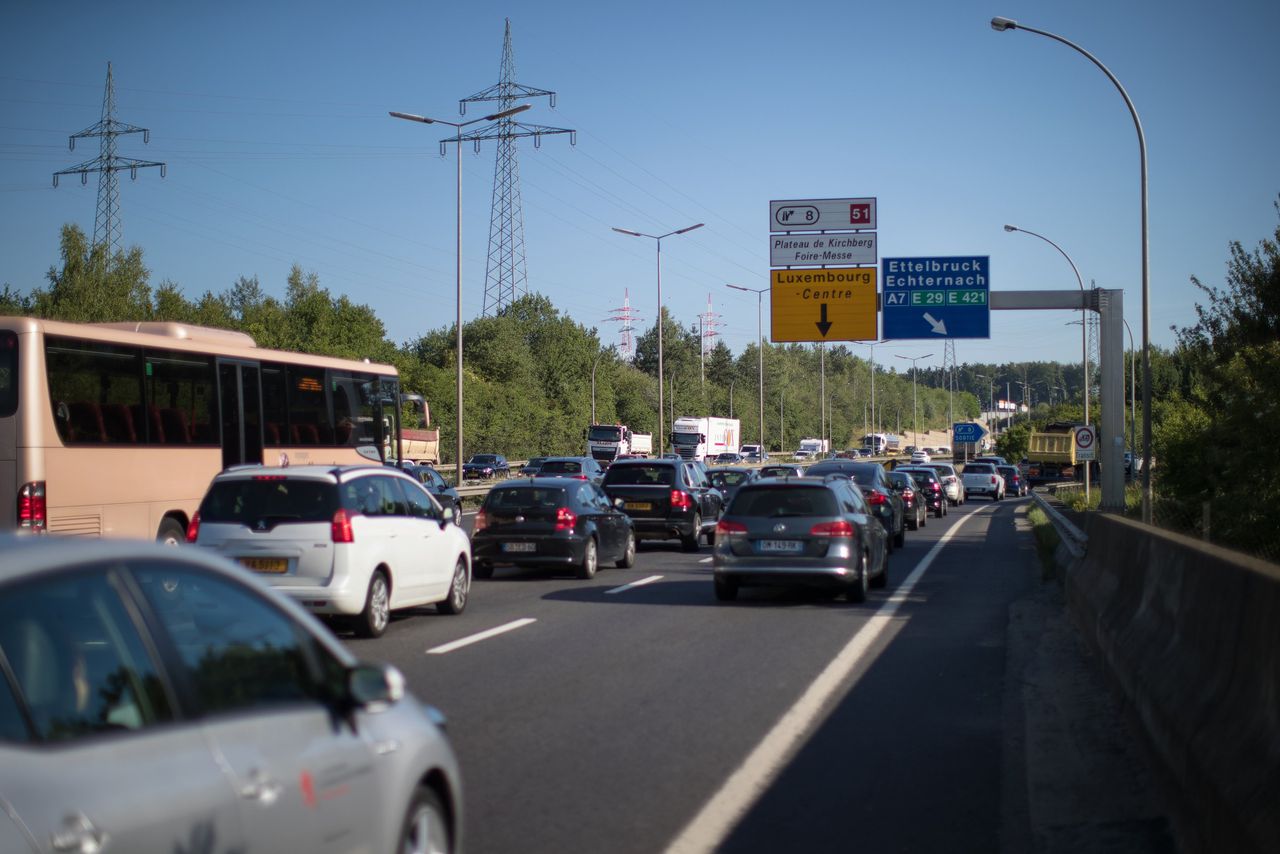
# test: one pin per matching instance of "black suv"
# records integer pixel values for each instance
(666, 499)
(486, 466)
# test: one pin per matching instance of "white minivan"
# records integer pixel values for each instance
(344, 541)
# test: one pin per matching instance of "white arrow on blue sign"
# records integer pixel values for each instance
(967, 431)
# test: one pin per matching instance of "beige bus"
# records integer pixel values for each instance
(115, 429)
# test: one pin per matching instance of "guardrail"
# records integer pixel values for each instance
(1073, 539)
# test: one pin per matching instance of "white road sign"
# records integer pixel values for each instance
(808, 250)
(822, 214)
(1086, 444)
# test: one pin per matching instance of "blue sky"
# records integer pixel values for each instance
(272, 118)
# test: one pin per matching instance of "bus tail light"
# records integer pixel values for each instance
(193, 528)
(340, 530)
(31, 508)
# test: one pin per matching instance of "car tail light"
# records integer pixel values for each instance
(32, 511)
(579, 477)
(681, 500)
(193, 528)
(876, 497)
(908, 494)
(565, 519)
(726, 527)
(936, 487)
(841, 528)
(481, 522)
(340, 530)
(993, 480)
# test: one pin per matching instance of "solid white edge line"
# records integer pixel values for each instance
(708, 829)
(479, 636)
(641, 583)
(706, 560)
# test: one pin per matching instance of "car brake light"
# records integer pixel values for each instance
(268, 477)
(481, 522)
(726, 527)
(340, 530)
(841, 528)
(565, 519)
(32, 515)
(993, 480)
(681, 500)
(193, 528)
(937, 487)
(875, 497)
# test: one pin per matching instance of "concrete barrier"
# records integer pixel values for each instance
(1191, 634)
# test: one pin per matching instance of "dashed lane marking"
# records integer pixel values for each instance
(641, 583)
(479, 636)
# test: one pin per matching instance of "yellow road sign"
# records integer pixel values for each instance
(831, 304)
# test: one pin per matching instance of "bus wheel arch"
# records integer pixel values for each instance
(172, 530)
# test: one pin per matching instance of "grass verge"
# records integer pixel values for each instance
(1047, 541)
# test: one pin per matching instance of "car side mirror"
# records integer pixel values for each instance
(374, 687)
(448, 515)
(618, 503)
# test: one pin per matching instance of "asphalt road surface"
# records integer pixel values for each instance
(635, 713)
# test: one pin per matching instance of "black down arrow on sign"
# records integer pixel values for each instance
(824, 326)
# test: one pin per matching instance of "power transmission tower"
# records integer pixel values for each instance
(1094, 355)
(106, 222)
(627, 316)
(949, 376)
(504, 277)
(707, 323)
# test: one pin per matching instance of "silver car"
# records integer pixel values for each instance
(345, 541)
(952, 485)
(159, 699)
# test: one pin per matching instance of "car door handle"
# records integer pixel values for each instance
(261, 788)
(78, 835)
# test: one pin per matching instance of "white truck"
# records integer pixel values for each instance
(700, 438)
(608, 442)
(641, 444)
(813, 449)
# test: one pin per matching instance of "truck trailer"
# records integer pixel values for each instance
(699, 438)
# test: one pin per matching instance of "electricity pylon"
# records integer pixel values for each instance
(106, 222)
(505, 277)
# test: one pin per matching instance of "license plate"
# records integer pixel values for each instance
(781, 546)
(276, 565)
(636, 505)
(519, 547)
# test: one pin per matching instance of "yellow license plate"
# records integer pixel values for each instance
(637, 505)
(265, 564)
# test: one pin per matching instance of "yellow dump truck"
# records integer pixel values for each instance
(1051, 454)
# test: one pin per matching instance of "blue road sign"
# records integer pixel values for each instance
(936, 297)
(967, 431)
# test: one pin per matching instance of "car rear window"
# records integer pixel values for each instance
(640, 475)
(275, 500)
(979, 468)
(732, 478)
(8, 373)
(784, 501)
(561, 467)
(524, 498)
(777, 471)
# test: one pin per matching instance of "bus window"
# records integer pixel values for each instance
(310, 422)
(275, 405)
(180, 391)
(95, 390)
(8, 373)
(353, 405)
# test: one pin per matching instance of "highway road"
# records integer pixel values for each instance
(634, 713)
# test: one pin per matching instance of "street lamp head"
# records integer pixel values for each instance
(411, 117)
(511, 112)
(1001, 24)
(1011, 228)
(625, 231)
(690, 228)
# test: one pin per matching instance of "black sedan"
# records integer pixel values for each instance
(874, 481)
(666, 499)
(486, 466)
(928, 479)
(581, 468)
(551, 522)
(435, 483)
(913, 499)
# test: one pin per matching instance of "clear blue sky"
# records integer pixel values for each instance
(272, 118)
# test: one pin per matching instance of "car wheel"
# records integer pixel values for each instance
(426, 830)
(628, 558)
(726, 589)
(924, 517)
(171, 533)
(459, 588)
(690, 543)
(858, 592)
(377, 607)
(587, 569)
(482, 569)
(941, 511)
(915, 520)
(882, 579)
(900, 538)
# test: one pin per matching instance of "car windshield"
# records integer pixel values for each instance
(275, 498)
(863, 473)
(640, 475)
(776, 471)
(604, 433)
(561, 467)
(771, 501)
(524, 498)
(484, 459)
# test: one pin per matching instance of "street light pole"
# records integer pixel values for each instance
(759, 292)
(1000, 25)
(915, 414)
(458, 126)
(1084, 336)
(1133, 399)
(657, 239)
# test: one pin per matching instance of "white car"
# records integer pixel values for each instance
(983, 479)
(919, 457)
(345, 541)
(952, 487)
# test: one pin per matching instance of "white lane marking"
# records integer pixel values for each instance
(479, 636)
(705, 560)
(713, 823)
(641, 583)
